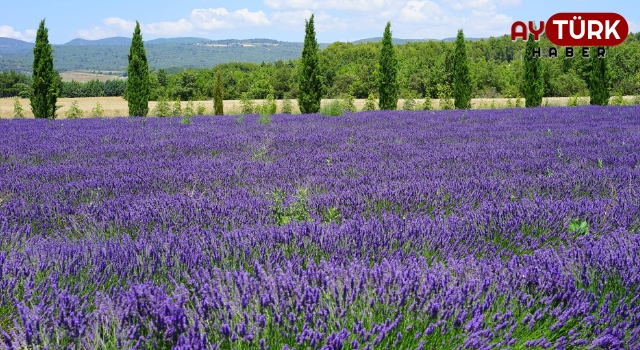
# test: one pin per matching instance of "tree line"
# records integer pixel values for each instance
(496, 67)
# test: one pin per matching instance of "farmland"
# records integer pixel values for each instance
(117, 106)
(423, 229)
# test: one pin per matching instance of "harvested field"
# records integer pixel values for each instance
(86, 76)
(117, 106)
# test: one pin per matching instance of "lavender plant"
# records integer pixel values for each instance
(422, 231)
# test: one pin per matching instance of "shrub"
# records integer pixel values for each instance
(201, 109)
(18, 111)
(287, 106)
(162, 109)
(268, 106)
(248, 106)
(573, 101)
(444, 94)
(618, 99)
(74, 112)
(348, 103)
(427, 105)
(409, 104)
(176, 111)
(186, 119)
(518, 102)
(97, 111)
(189, 109)
(370, 103)
(509, 104)
(264, 119)
(333, 109)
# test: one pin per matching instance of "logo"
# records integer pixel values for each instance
(568, 29)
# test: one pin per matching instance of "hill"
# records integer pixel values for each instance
(404, 41)
(9, 46)
(110, 54)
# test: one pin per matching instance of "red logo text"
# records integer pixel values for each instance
(576, 29)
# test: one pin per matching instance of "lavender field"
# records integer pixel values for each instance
(484, 229)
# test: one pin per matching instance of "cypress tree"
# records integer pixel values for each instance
(138, 77)
(461, 75)
(218, 95)
(388, 74)
(309, 78)
(598, 79)
(45, 92)
(533, 83)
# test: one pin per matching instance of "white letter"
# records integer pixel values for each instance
(560, 23)
(572, 32)
(593, 33)
(611, 30)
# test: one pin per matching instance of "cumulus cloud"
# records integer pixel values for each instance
(9, 32)
(219, 18)
(351, 5)
(200, 20)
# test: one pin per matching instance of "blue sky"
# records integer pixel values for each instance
(335, 20)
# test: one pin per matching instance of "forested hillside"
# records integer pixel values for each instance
(424, 69)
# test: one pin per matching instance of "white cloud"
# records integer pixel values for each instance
(95, 33)
(9, 32)
(120, 24)
(167, 28)
(219, 18)
(201, 20)
(351, 5)
(422, 11)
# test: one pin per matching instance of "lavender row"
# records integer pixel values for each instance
(478, 229)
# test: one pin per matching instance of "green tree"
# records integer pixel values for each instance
(461, 75)
(598, 79)
(44, 90)
(533, 83)
(388, 74)
(309, 79)
(218, 96)
(138, 77)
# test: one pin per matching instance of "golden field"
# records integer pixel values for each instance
(117, 106)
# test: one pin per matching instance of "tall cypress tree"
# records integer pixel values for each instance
(533, 83)
(388, 74)
(138, 77)
(598, 79)
(45, 91)
(309, 79)
(461, 75)
(218, 95)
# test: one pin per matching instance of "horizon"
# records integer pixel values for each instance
(283, 20)
(256, 38)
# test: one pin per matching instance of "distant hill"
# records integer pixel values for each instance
(110, 54)
(115, 41)
(9, 46)
(404, 41)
